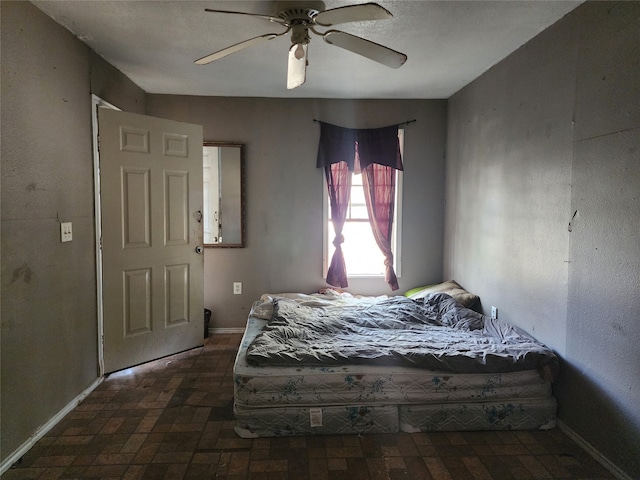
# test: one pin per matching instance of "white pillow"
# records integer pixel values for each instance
(451, 288)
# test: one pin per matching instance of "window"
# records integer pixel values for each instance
(362, 255)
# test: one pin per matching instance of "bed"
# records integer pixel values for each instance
(333, 363)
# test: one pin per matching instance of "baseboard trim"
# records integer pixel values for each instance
(226, 330)
(593, 452)
(44, 429)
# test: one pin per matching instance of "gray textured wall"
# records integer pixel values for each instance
(284, 192)
(48, 309)
(551, 130)
(601, 385)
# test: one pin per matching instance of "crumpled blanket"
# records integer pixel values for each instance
(434, 332)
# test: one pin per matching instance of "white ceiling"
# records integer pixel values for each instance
(448, 44)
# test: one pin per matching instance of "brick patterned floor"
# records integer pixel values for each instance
(173, 419)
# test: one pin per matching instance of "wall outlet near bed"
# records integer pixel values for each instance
(494, 312)
(237, 288)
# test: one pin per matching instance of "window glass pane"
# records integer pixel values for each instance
(357, 195)
(361, 253)
(359, 212)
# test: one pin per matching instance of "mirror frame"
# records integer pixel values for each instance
(242, 196)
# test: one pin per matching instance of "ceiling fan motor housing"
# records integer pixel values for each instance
(300, 18)
(301, 11)
(300, 34)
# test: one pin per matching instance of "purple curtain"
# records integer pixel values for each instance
(339, 186)
(378, 155)
(379, 193)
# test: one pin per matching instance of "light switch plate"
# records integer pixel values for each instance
(237, 288)
(66, 232)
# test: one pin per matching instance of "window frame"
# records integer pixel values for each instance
(397, 225)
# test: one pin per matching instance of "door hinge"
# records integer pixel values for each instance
(100, 243)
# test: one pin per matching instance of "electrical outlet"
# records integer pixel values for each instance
(494, 312)
(66, 232)
(237, 288)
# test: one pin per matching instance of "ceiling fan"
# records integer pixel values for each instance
(301, 18)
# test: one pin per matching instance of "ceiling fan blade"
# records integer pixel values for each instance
(297, 69)
(234, 48)
(266, 17)
(366, 48)
(352, 13)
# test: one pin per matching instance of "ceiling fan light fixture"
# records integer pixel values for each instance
(300, 52)
(297, 68)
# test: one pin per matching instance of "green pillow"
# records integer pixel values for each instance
(413, 291)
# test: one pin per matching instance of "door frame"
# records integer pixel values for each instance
(97, 102)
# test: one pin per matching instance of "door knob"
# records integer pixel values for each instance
(199, 249)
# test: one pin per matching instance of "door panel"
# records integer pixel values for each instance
(177, 208)
(135, 207)
(177, 294)
(137, 301)
(151, 193)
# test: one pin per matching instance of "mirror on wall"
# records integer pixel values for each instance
(223, 192)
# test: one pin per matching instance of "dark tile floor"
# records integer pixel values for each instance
(173, 419)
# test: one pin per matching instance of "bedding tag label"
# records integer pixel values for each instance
(315, 417)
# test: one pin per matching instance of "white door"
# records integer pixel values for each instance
(151, 197)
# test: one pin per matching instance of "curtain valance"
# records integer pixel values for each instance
(370, 145)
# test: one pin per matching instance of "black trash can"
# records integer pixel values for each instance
(207, 319)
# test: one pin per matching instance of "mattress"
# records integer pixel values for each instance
(265, 386)
(434, 332)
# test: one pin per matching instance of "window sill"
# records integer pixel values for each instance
(356, 276)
